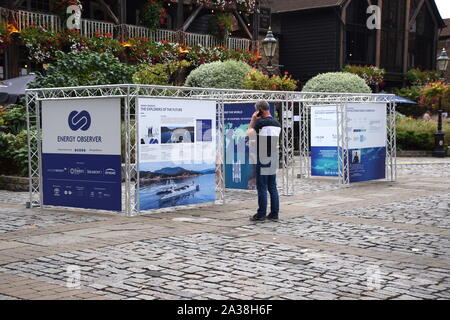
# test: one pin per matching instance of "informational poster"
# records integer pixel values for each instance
(240, 170)
(81, 154)
(367, 141)
(324, 152)
(177, 152)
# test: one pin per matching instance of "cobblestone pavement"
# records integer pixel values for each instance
(377, 240)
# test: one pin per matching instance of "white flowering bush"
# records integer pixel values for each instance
(228, 74)
(338, 82)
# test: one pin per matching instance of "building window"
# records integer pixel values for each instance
(34, 5)
(393, 35)
(421, 41)
(360, 41)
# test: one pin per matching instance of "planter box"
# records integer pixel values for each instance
(14, 183)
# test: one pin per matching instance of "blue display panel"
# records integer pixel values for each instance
(82, 181)
(240, 172)
(324, 161)
(367, 164)
(81, 154)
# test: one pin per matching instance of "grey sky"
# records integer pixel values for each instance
(444, 8)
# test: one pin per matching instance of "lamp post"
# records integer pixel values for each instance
(269, 45)
(442, 65)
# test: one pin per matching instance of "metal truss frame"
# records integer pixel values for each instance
(129, 95)
(341, 100)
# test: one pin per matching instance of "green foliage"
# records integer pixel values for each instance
(256, 80)
(13, 118)
(418, 134)
(229, 74)
(160, 73)
(372, 75)
(416, 77)
(4, 35)
(84, 69)
(14, 153)
(411, 93)
(338, 82)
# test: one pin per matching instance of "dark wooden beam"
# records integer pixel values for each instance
(256, 16)
(416, 13)
(436, 35)
(180, 14)
(378, 45)
(122, 11)
(343, 48)
(109, 11)
(406, 37)
(191, 18)
(242, 23)
(16, 3)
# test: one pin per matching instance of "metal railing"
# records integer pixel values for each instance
(22, 19)
(90, 27)
(187, 38)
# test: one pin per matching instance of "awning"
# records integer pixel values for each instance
(12, 89)
(398, 99)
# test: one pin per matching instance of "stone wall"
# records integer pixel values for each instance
(14, 183)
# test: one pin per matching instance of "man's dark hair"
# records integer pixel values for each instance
(262, 105)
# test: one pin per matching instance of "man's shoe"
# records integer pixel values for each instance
(257, 218)
(273, 218)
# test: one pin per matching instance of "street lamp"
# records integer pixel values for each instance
(442, 65)
(269, 45)
(442, 61)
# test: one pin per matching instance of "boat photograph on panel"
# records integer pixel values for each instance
(168, 184)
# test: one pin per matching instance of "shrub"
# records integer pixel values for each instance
(14, 153)
(229, 74)
(160, 73)
(372, 75)
(418, 134)
(83, 69)
(339, 82)
(435, 95)
(416, 77)
(256, 80)
(13, 118)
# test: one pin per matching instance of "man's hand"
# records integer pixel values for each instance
(256, 116)
(251, 132)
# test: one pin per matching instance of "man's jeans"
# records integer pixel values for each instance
(266, 183)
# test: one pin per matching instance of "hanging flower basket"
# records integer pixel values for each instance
(220, 25)
(59, 7)
(153, 14)
(247, 6)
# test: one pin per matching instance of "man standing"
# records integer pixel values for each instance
(265, 131)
